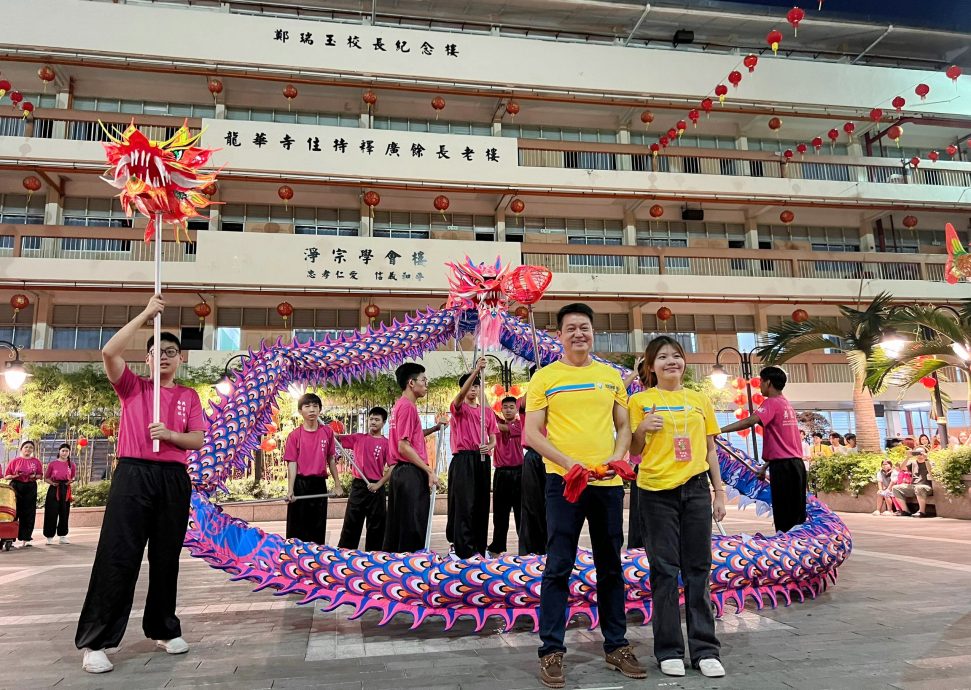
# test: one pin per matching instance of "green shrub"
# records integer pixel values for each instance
(832, 474)
(91, 495)
(948, 466)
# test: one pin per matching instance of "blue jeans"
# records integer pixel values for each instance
(603, 508)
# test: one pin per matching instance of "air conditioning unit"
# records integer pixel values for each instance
(692, 214)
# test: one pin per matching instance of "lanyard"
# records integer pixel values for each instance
(684, 407)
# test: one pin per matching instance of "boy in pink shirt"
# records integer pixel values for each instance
(23, 472)
(411, 476)
(508, 478)
(366, 501)
(148, 502)
(59, 474)
(309, 450)
(781, 450)
(469, 472)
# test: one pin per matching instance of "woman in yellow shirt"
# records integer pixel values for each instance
(674, 432)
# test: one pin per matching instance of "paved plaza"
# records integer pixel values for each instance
(899, 617)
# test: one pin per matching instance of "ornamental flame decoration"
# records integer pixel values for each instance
(479, 287)
(159, 179)
(958, 259)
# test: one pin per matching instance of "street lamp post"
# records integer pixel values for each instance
(225, 384)
(719, 377)
(13, 371)
(505, 371)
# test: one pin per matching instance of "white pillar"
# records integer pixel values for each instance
(367, 223)
(501, 225)
(42, 316)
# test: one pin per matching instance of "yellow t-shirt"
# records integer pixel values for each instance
(579, 404)
(681, 410)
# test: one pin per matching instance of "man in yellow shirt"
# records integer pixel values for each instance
(576, 413)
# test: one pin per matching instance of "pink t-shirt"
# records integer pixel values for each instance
(60, 471)
(180, 409)
(405, 425)
(21, 469)
(370, 454)
(780, 435)
(509, 445)
(464, 427)
(310, 450)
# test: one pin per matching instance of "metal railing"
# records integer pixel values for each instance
(102, 249)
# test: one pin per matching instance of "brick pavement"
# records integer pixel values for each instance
(899, 617)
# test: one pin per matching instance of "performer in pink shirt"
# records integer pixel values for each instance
(148, 502)
(508, 478)
(309, 450)
(23, 472)
(366, 501)
(59, 474)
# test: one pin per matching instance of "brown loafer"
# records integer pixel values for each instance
(551, 670)
(623, 660)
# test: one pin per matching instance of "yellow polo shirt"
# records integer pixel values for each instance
(684, 412)
(579, 404)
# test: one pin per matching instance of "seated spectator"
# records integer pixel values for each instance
(851, 443)
(901, 477)
(910, 442)
(952, 442)
(836, 443)
(885, 478)
(817, 449)
(924, 441)
(920, 487)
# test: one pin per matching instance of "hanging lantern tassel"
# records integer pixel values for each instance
(438, 103)
(284, 309)
(441, 205)
(372, 199)
(285, 192)
(31, 184)
(19, 302)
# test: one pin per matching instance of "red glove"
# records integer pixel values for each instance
(576, 481)
(623, 469)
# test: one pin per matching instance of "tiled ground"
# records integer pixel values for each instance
(899, 617)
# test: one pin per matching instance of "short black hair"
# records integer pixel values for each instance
(24, 443)
(310, 399)
(817, 434)
(774, 375)
(575, 308)
(836, 434)
(378, 412)
(849, 437)
(408, 371)
(509, 399)
(463, 378)
(165, 337)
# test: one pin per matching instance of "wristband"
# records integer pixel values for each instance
(719, 491)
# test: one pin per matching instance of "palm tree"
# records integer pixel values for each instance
(857, 335)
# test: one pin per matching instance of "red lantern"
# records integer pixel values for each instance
(521, 313)
(706, 105)
(898, 103)
(757, 399)
(694, 116)
(655, 149)
(512, 107)
(740, 414)
(215, 88)
(800, 315)
(928, 382)
(656, 211)
(817, 143)
(953, 72)
(497, 390)
(681, 126)
(755, 382)
(795, 16)
(285, 192)
(741, 399)
(922, 90)
(517, 206)
(27, 108)
(46, 75)
(31, 184)
(4, 87)
(788, 154)
(337, 425)
(775, 124)
(735, 78)
(515, 391)
(107, 429)
(663, 314)
(721, 91)
(210, 189)
(371, 199)
(895, 132)
(372, 311)
(787, 217)
(934, 156)
(438, 103)
(202, 310)
(774, 38)
(738, 383)
(82, 442)
(849, 128)
(833, 135)
(802, 148)
(284, 309)
(16, 97)
(744, 432)
(268, 445)
(289, 93)
(19, 302)
(369, 98)
(271, 428)
(952, 150)
(876, 115)
(758, 429)
(672, 134)
(751, 61)
(647, 117)
(910, 222)
(663, 141)
(441, 203)
(915, 161)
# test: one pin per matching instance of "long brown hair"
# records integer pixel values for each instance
(646, 373)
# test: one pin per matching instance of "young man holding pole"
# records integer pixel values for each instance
(508, 478)
(367, 501)
(148, 502)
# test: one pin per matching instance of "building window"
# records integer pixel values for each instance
(84, 211)
(293, 117)
(689, 341)
(80, 338)
(17, 209)
(400, 124)
(18, 335)
(402, 225)
(228, 338)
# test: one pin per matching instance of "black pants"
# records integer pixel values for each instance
(787, 481)
(57, 509)
(635, 539)
(148, 503)
(468, 503)
(408, 507)
(603, 509)
(507, 485)
(676, 524)
(364, 506)
(532, 529)
(26, 500)
(307, 519)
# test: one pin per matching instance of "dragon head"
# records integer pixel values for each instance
(474, 285)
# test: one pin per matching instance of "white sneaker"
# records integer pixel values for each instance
(711, 668)
(65, 540)
(96, 661)
(50, 541)
(174, 646)
(672, 667)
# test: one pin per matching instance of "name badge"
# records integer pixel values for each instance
(682, 448)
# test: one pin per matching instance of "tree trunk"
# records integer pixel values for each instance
(867, 433)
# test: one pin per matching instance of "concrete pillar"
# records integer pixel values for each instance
(43, 307)
(497, 128)
(630, 240)
(624, 161)
(53, 207)
(501, 225)
(62, 100)
(366, 119)
(751, 233)
(636, 328)
(761, 319)
(367, 223)
(868, 242)
(209, 340)
(215, 215)
(220, 111)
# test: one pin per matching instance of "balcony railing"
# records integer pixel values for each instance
(752, 263)
(80, 125)
(90, 243)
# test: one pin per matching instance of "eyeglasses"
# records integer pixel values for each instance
(170, 352)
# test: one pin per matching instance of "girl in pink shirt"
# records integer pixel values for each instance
(57, 506)
(23, 472)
